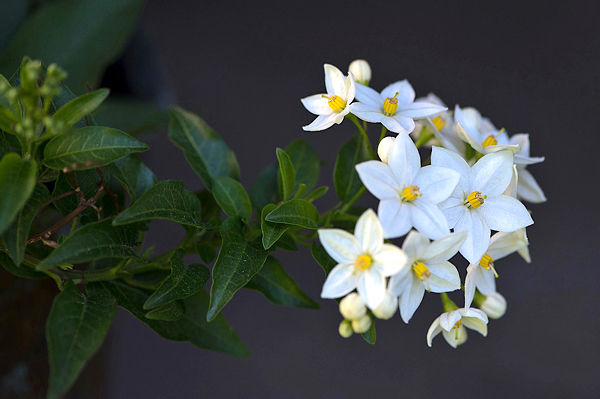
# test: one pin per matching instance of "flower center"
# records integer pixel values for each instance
(438, 122)
(475, 200)
(411, 193)
(390, 105)
(490, 140)
(456, 328)
(363, 262)
(487, 262)
(421, 270)
(336, 102)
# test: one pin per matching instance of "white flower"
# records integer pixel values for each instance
(482, 275)
(452, 325)
(442, 126)
(408, 193)
(333, 106)
(361, 71)
(430, 270)
(494, 306)
(384, 148)
(477, 204)
(528, 188)
(364, 261)
(393, 107)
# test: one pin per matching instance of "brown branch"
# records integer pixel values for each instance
(114, 196)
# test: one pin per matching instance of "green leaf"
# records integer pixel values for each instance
(133, 174)
(370, 336)
(15, 237)
(23, 272)
(265, 189)
(318, 193)
(206, 251)
(306, 163)
(287, 242)
(90, 147)
(271, 232)
(287, 176)
(205, 151)
(345, 178)
(149, 280)
(91, 242)
(296, 212)
(183, 282)
(193, 327)
(75, 331)
(83, 37)
(275, 284)
(131, 116)
(171, 311)
(167, 200)
(87, 181)
(17, 181)
(231, 197)
(322, 257)
(76, 109)
(237, 262)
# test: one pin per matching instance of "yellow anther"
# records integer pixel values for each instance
(363, 262)
(421, 270)
(438, 122)
(487, 262)
(336, 103)
(456, 327)
(490, 140)
(390, 105)
(475, 199)
(411, 193)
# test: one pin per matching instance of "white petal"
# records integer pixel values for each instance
(411, 298)
(390, 260)
(492, 173)
(529, 189)
(449, 319)
(368, 96)
(322, 122)
(454, 207)
(478, 236)
(394, 218)
(504, 244)
(470, 284)
(474, 313)
(444, 277)
(485, 281)
(398, 124)
(428, 219)
(433, 331)
(406, 93)
(455, 338)
(317, 104)
(379, 180)
(469, 119)
(399, 283)
(468, 138)
(404, 160)
(368, 232)
(350, 85)
(419, 110)
(522, 140)
(340, 245)
(448, 159)
(366, 112)
(511, 190)
(340, 281)
(436, 183)
(371, 288)
(445, 247)
(521, 160)
(415, 245)
(334, 81)
(504, 213)
(497, 148)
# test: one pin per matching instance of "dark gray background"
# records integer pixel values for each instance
(529, 67)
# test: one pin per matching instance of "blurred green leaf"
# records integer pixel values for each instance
(345, 178)
(206, 251)
(271, 232)
(237, 262)
(17, 181)
(171, 311)
(287, 176)
(278, 287)
(265, 189)
(205, 151)
(306, 163)
(322, 257)
(296, 212)
(23, 272)
(90, 147)
(75, 331)
(231, 197)
(131, 116)
(133, 174)
(287, 242)
(318, 193)
(370, 336)
(77, 108)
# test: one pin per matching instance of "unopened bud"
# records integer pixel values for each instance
(345, 329)
(362, 324)
(361, 71)
(352, 307)
(387, 308)
(383, 150)
(494, 306)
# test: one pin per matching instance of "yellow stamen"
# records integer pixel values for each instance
(475, 199)
(438, 122)
(456, 328)
(363, 262)
(336, 103)
(487, 262)
(390, 105)
(421, 270)
(490, 140)
(411, 193)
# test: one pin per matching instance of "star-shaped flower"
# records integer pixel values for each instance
(333, 106)
(477, 205)
(452, 325)
(394, 107)
(408, 193)
(364, 261)
(430, 270)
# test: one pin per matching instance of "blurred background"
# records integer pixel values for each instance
(529, 67)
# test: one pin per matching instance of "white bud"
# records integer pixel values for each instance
(345, 329)
(361, 71)
(362, 324)
(494, 306)
(388, 307)
(383, 150)
(352, 306)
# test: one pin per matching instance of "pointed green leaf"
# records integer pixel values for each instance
(75, 331)
(271, 232)
(183, 282)
(306, 163)
(237, 262)
(133, 174)
(322, 257)
(296, 212)
(23, 272)
(287, 176)
(231, 197)
(166, 200)
(93, 241)
(206, 251)
(275, 284)
(90, 147)
(370, 336)
(171, 311)
(205, 151)
(17, 181)
(345, 177)
(79, 107)
(265, 189)
(318, 193)
(193, 327)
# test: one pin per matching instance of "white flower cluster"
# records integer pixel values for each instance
(471, 187)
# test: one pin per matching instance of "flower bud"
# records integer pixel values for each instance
(345, 329)
(362, 324)
(352, 307)
(494, 306)
(361, 71)
(383, 150)
(387, 308)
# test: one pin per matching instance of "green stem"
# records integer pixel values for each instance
(363, 132)
(448, 304)
(352, 200)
